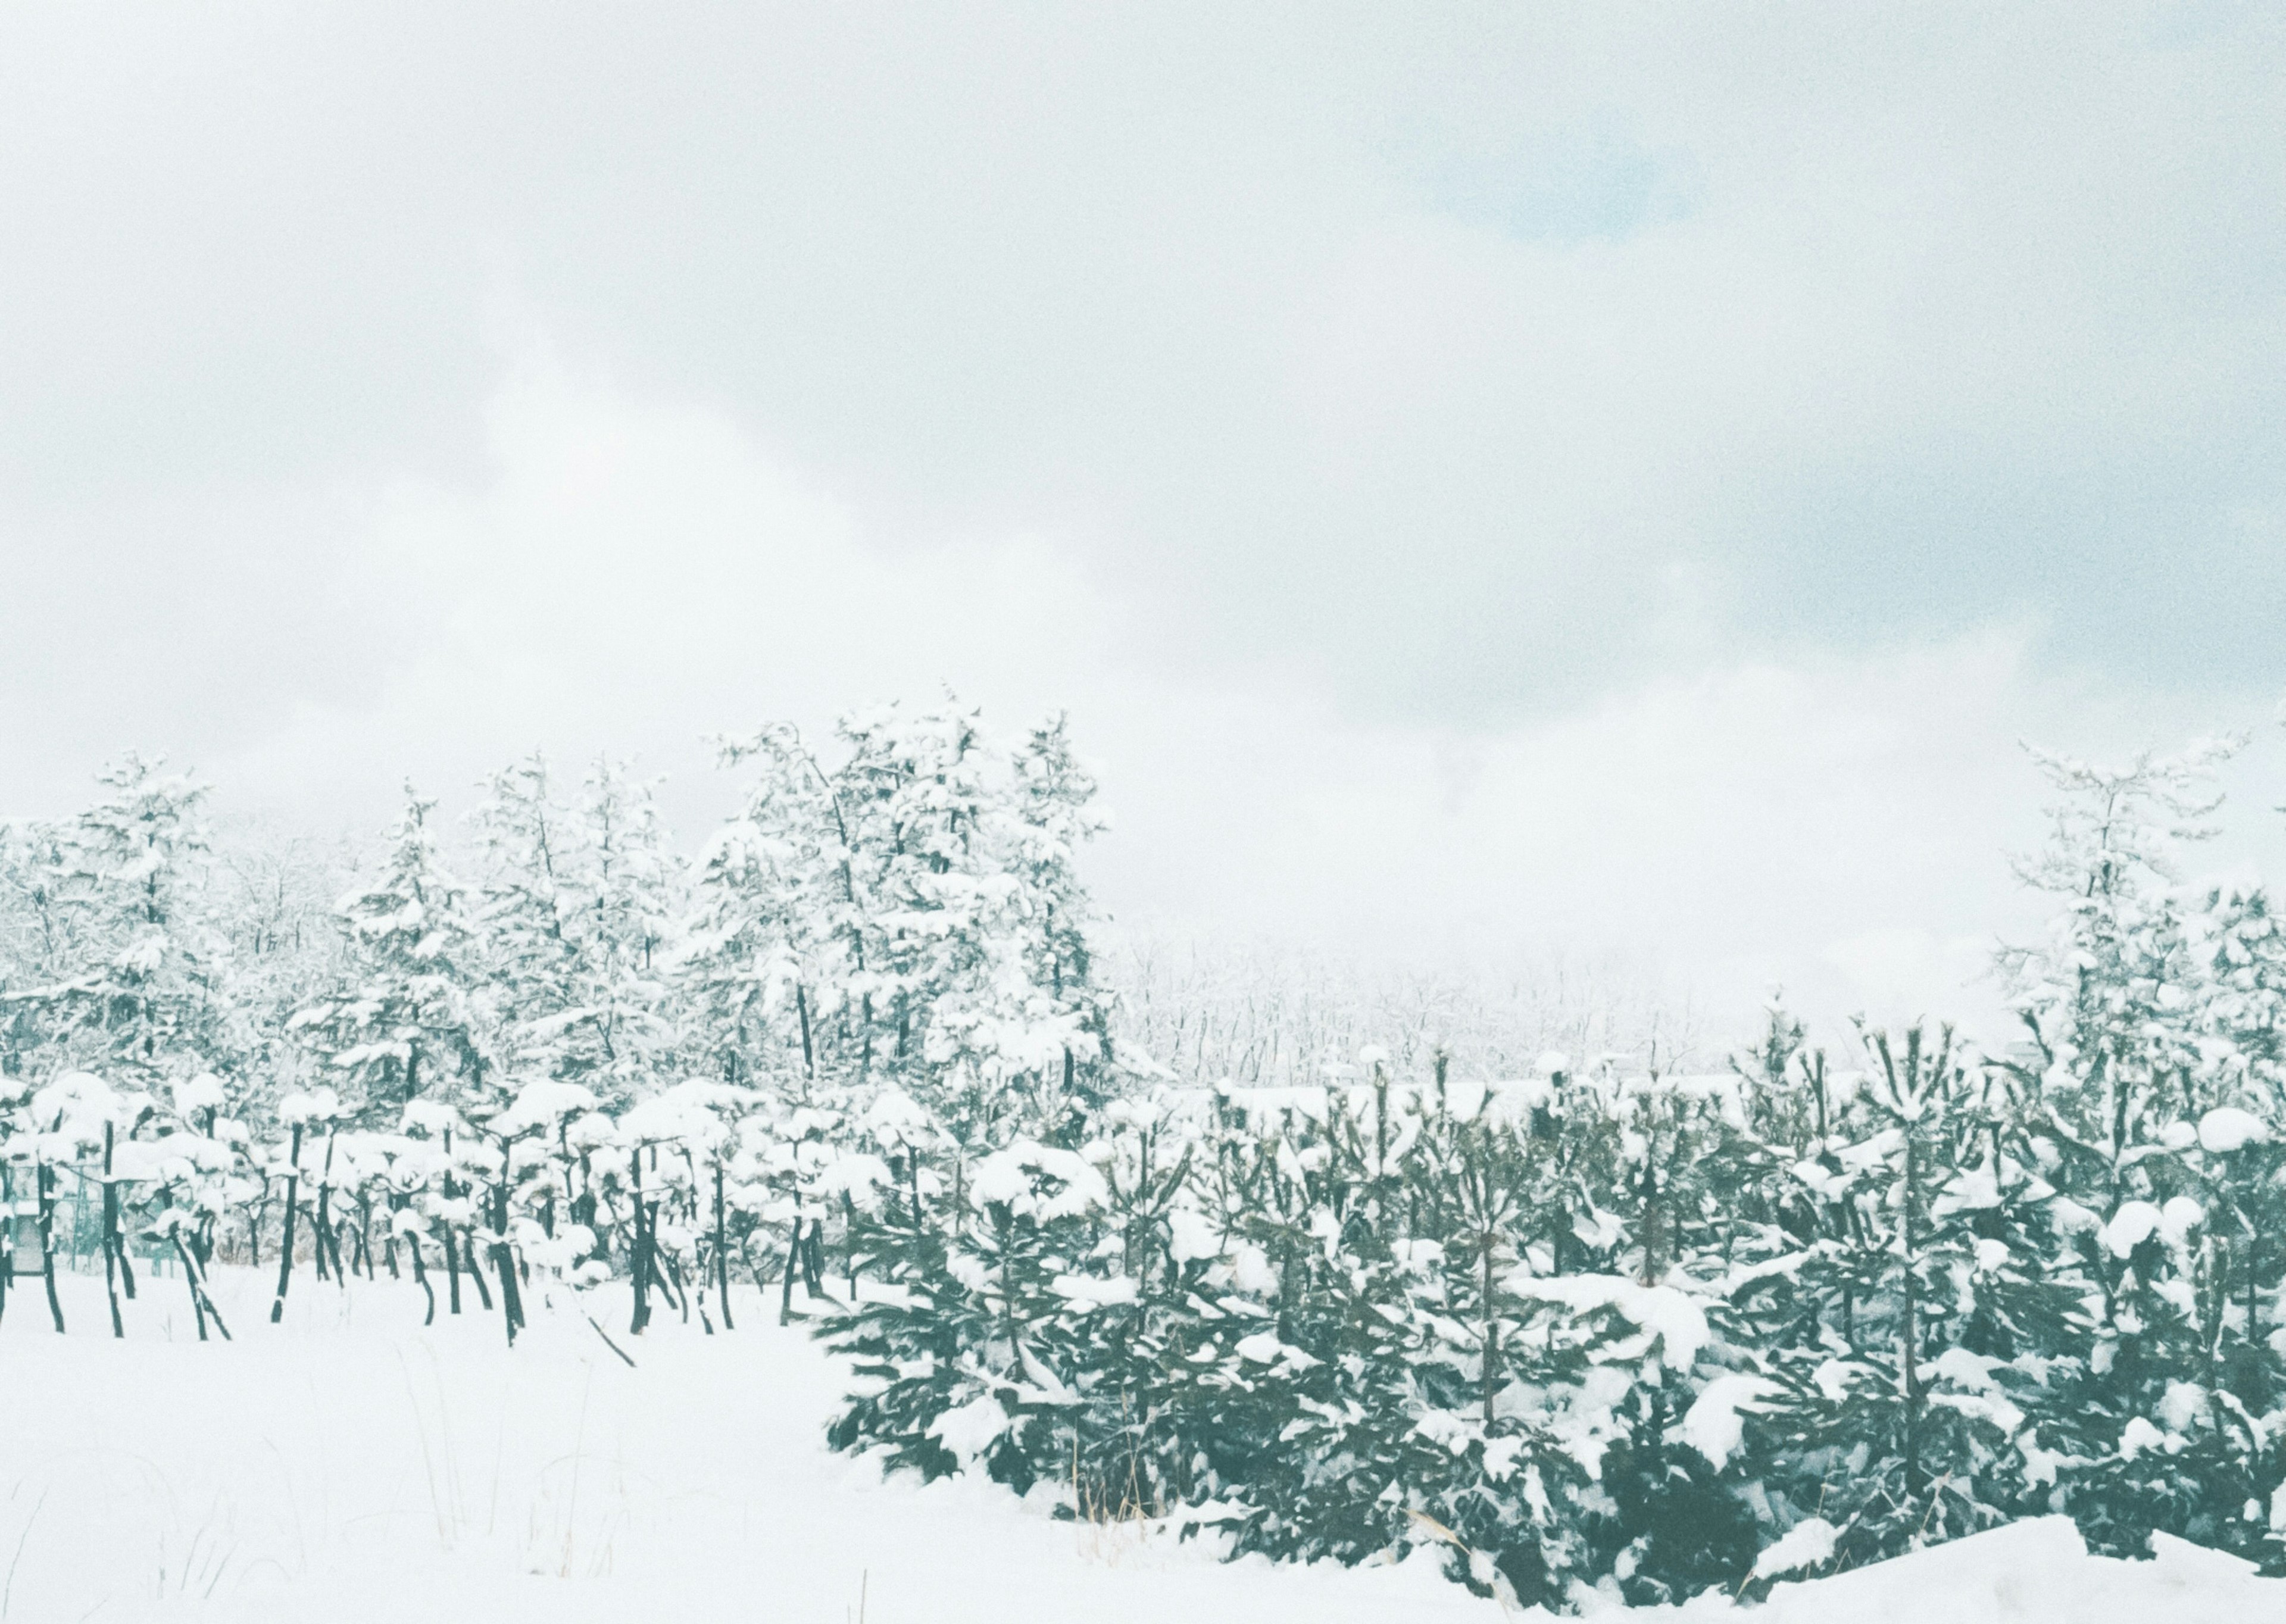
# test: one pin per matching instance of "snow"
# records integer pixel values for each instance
(543, 1103)
(2227, 1127)
(1263, 1107)
(201, 1093)
(2182, 1405)
(1833, 1377)
(1662, 1311)
(857, 1175)
(352, 1467)
(2138, 1436)
(1263, 1348)
(2130, 1226)
(1713, 1426)
(1974, 1190)
(1011, 1177)
(432, 1117)
(894, 1118)
(1464, 1097)
(320, 1105)
(2179, 1217)
(1963, 1368)
(2030, 1572)
(1808, 1543)
(1087, 1292)
(1192, 1236)
(969, 1429)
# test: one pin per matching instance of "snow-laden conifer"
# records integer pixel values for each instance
(415, 1019)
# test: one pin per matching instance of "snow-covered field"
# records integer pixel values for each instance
(351, 1465)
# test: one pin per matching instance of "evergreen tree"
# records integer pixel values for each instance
(525, 916)
(775, 944)
(416, 1021)
(1903, 1419)
(1056, 816)
(134, 981)
(632, 893)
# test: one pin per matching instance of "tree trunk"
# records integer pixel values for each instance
(44, 1183)
(723, 1249)
(1491, 1374)
(321, 1223)
(1911, 1348)
(111, 1247)
(286, 1247)
(672, 1276)
(201, 1303)
(849, 1243)
(452, 1266)
(511, 1298)
(420, 1276)
(504, 1256)
(475, 1272)
(639, 1257)
(813, 1259)
(793, 1254)
(1651, 1214)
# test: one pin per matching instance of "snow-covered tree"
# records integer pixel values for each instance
(1056, 817)
(416, 1018)
(524, 909)
(775, 947)
(633, 896)
(129, 979)
(2111, 1000)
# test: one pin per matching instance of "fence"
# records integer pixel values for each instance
(75, 1222)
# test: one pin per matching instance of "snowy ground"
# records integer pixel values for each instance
(352, 1466)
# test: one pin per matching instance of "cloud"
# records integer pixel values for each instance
(633, 573)
(1446, 355)
(1481, 482)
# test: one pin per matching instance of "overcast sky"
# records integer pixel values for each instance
(1484, 481)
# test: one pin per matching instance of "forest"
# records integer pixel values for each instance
(1576, 1298)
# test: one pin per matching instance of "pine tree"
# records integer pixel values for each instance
(416, 1021)
(1904, 1419)
(775, 943)
(975, 1360)
(2147, 1009)
(136, 979)
(633, 892)
(1056, 816)
(2109, 1002)
(528, 953)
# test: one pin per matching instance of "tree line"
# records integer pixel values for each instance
(1613, 1327)
(594, 1056)
(1604, 1321)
